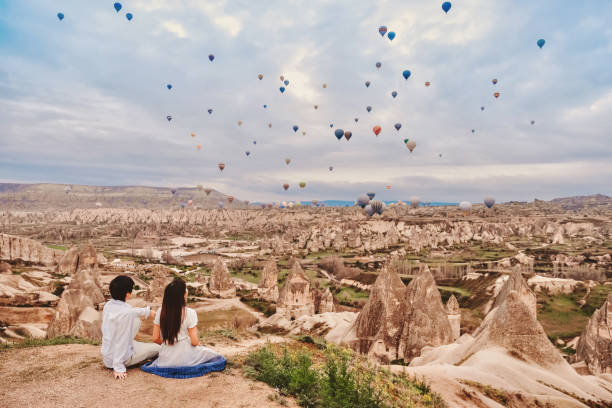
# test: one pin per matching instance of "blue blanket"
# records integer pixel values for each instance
(217, 364)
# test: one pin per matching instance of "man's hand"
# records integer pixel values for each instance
(119, 376)
(152, 314)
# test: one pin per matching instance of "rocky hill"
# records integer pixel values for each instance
(65, 196)
(580, 202)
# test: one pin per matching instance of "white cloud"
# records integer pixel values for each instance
(175, 28)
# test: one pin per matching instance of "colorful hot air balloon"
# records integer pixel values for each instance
(247, 153)
(411, 145)
(369, 108)
(211, 57)
(190, 202)
(287, 161)
(406, 74)
(388, 187)
(169, 86)
(465, 205)
(371, 195)
(541, 42)
(382, 30)
(230, 199)
(260, 76)
(376, 129)
(265, 106)
(239, 123)
(406, 140)
(221, 166)
(286, 186)
(489, 202)
(208, 190)
(363, 200)
(347, 135)
(378, 65)
(339, 133)
(397, 126)
(302, 184)
(129, 16)
(210, 111)
(367, 84)
(199, 146)
(282, 89)
(496, 95)
(282, 78)
(286, 82)
(377, 206)
(494, 80)
(391, 35)
(394, 94)
(220, 204)
(427, 83)
(324, 86)
(168, 118)
(60, 16)
(193, 135)
(183, 205)
(254, 142)
(446, 6)
(117, 6)
(295, 128)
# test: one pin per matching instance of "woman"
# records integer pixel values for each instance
(175, 329)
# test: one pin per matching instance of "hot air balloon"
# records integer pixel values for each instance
(282, 89)
(367, 84)
(496, 95)
(239, 123)
(67, 189)
(533, 122)
(254, 142)
(199, 146)
(331, 168)
(489, 202)
(129, 16)
(356, 120)
(302, 184)
(98, 204)
(331, 125)
(397, 126)
(210, 111)
(193, 135)
(173, 191)
(200, 187)
(388, 187)
(465, 205)
(265, 106)
(247, 153)
(427, 83)
(414, 201)
(282, 78)
(169, 86)
(287, 161)
(269, 125)
(347, 135)
(482, 108)
(494, 80)
(211, 57)
(260, 76)
(406, 74)
(391, 35)
(220, 204)
(382, 30)
(369, 108)
(324, 86)
(377, 206)
(376, 130)
(339, 133)
(183, 205)
(406, 140)
(411, 145)
(169, 118)
(473, 130)
(221, 166)
(189, 202)
(117, 6)
(368, 210)
(371, 195)
(378, 65)
(303, 133)
(295, 128)
(286, 82)
(230, 199)
(207, 190)
(363, 200)
(60, 16)
(316, 106)
(286, 186)
(394, 94)
(541, 42)
(446, 6)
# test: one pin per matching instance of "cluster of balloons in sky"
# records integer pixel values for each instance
(366, 201)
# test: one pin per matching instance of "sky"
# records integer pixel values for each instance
(84, 100)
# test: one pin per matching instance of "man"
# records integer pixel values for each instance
(120, 324)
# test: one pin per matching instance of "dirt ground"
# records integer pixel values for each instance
(73, 376)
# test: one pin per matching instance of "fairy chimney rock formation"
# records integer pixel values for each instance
(425, 322)
(454, 316)
(516, 283)
(220, 282)
(324, 301)
(295, 298)
(14, 248)
(76, 313)
(78, 258)
(162, 276)
(595, 344)
(378, 326)
(268, 284)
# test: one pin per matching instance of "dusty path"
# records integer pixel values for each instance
(73, 376)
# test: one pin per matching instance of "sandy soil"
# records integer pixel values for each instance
(73, 376)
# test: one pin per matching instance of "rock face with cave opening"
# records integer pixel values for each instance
(295, 298)
(595, 344)
(220, 282)
(14, 248)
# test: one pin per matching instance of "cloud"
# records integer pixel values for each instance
(175, 28)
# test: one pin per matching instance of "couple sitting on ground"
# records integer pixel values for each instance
(175, 334)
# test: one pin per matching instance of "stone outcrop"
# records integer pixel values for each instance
(268, 283)
(76, 313)
(5, 268)
(295, 298)
(425, 322)
(220, 282)
(323, 301)
(14, 248)
(17, 291)
(595, 344)
(162, 276)
(78, 258)
(516, 283)
(454, 316)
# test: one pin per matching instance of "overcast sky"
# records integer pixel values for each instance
(84, 100)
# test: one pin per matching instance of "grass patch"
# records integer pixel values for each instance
(588, 403)
(335, 378)
(59, 247)
(265, 307)
(55, 341)
(500, 396)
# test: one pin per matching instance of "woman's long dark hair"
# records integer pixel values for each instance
(173, 306)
